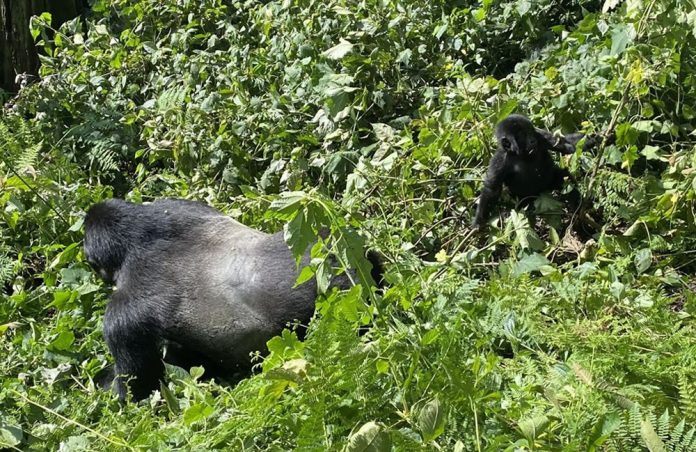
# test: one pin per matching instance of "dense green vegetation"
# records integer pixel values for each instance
(544, 333)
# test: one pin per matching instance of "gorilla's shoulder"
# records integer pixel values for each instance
(183, 207)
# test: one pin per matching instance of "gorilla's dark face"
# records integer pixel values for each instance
(107, 244)
(516, 135)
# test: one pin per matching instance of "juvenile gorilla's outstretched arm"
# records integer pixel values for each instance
(492, 186)
(563, 144)
(566, 144)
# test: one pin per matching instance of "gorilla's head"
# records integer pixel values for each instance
(107, 236)
(516, 135)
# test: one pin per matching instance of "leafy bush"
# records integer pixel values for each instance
(375, 117)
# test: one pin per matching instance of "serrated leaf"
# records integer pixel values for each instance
(67, 255)
(546, 203)
(431, 420)
(298, 235)
(523, 7)
(371, 437)
(77, 443)
(35, 23)
(287, 341)
(404, 56)
(249, 192)
(288, 202)
(533, 262)
(430, 336)
(643, 126)
(350, 247)
(350, 305)
(197, 412)
(525, 235)
(618, 289)
(638, 227)
(651, 152)
(634, 8)
(77, 225)
(439, 31)
(323, 275)
(339, 50)
(506, 109)
(196, 372)
(305, 275)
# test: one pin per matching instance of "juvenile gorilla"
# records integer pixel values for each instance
(523, 163)
(209, 288)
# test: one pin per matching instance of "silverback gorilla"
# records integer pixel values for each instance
(523, 163)
(194, 280)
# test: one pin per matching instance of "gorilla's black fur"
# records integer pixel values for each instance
(209, 288)
(523, 163)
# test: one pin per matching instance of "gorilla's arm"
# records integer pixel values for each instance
(492, 186)
(558, 143)
(565, 144)
(132, 338)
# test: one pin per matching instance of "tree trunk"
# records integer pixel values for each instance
(18, 54)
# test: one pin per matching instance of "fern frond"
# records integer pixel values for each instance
(635, 418)
(643, 430)
(6, 269)
(103, 155)
(29, 157)
(171, 98)
(687, 397)
(676, 436)
(663, 425)
(17, 142)
(616, 193)
(689, 441)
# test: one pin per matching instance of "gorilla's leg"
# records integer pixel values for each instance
(559, 175)
(186, 358)
(133, 341)
(572, 199)
(105, 377)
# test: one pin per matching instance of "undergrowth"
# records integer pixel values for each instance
(553, 330)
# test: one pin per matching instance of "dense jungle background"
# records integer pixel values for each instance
(556, 330)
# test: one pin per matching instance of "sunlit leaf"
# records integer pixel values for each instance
(371, 437)
(339, 50)
(197, 412)
(652, 440)
(431, 420)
